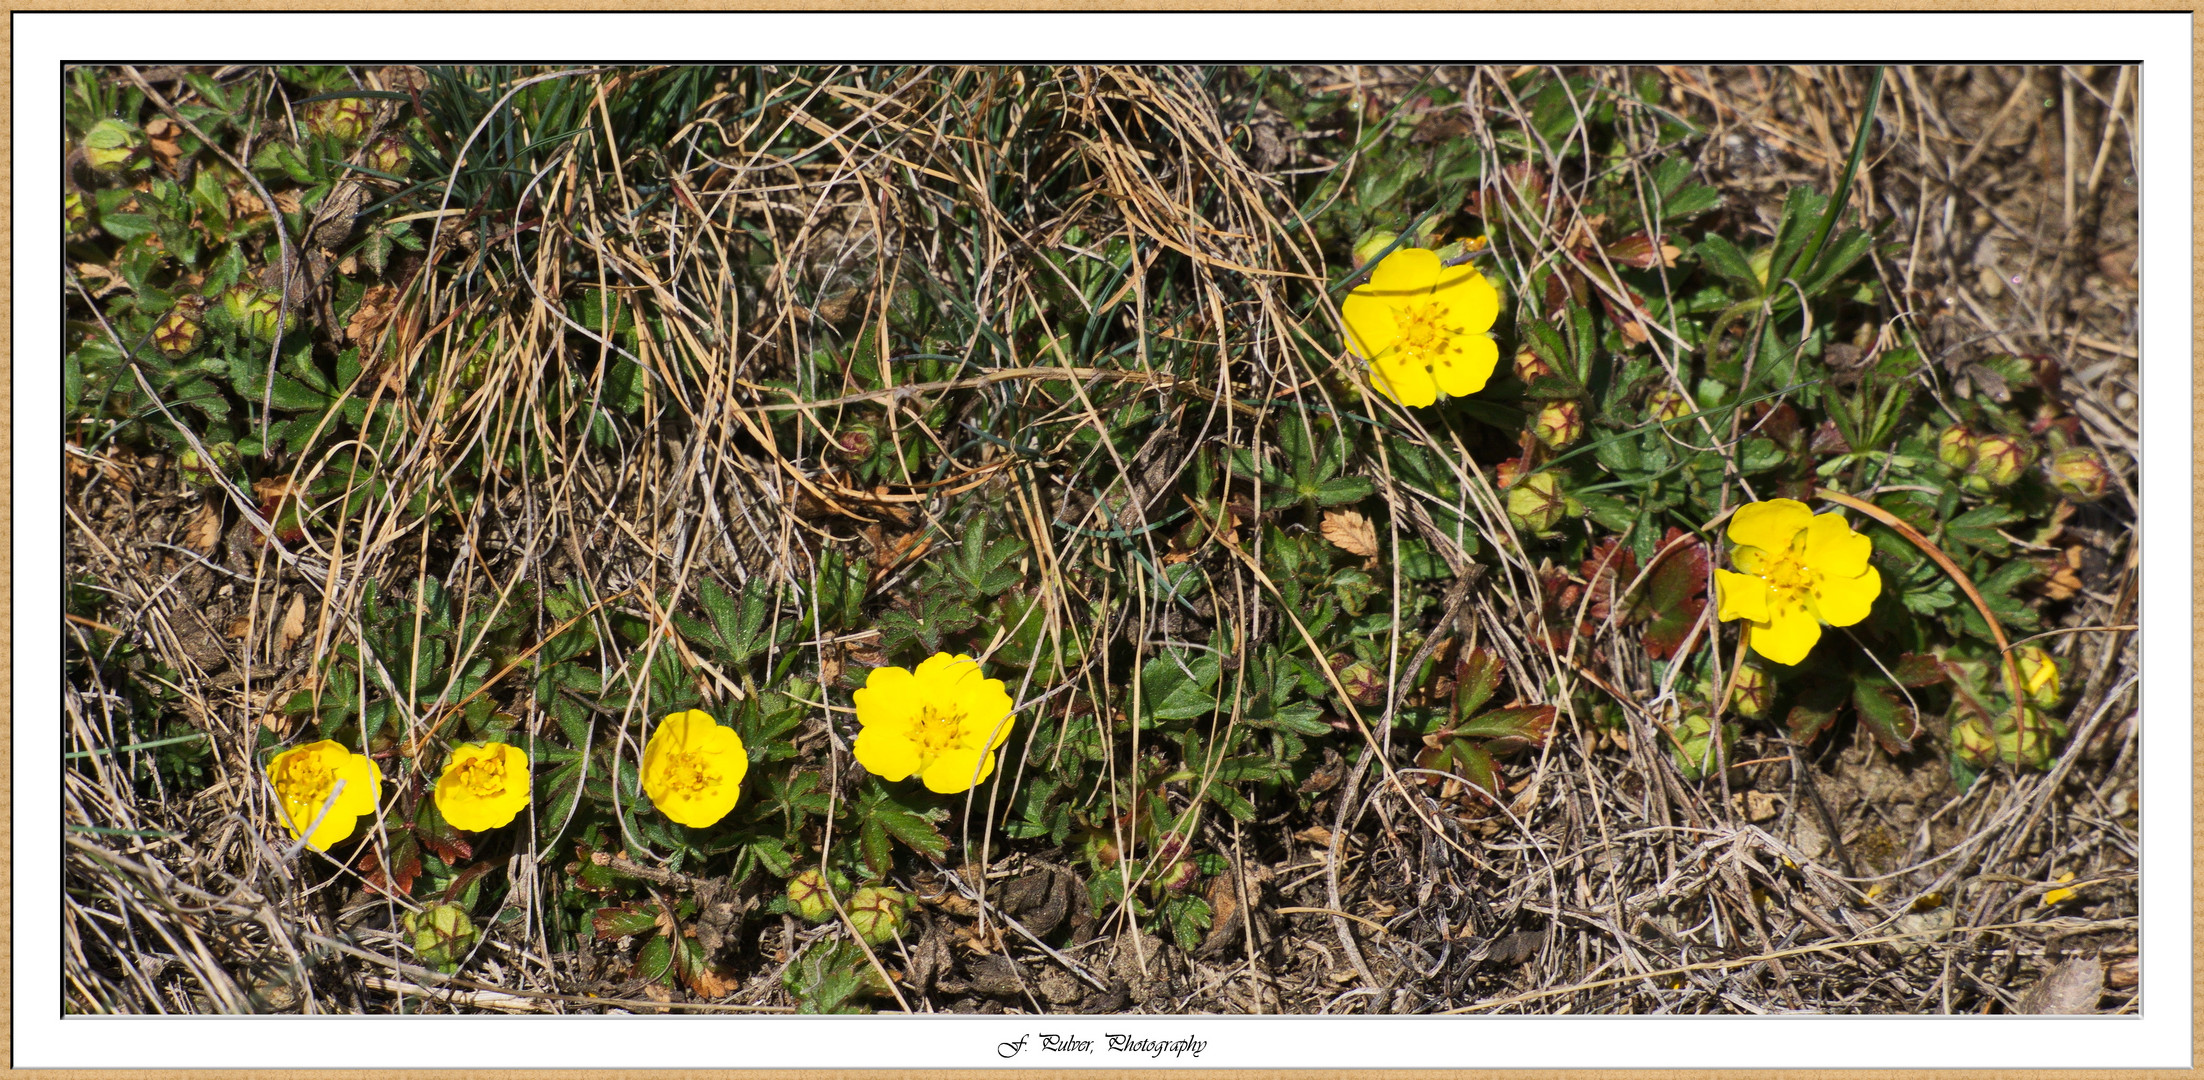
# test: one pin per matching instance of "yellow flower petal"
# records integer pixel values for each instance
(885, 754)
(1406, 272)
(1472, 304)
(1769, 525)
(1741, 597)
(1844, 601)
(1406, 383)
(1834, 549)
(888, 697)
(1466, 372)
(1749, 559)
(484, 786)
(1371, 328)
(958, 770)
(1788, 635)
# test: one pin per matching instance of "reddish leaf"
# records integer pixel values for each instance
(1887, 718)
(465, 878)
(1511, 728)
(620, 922)
(438, 835)
(1475, 678)
(1807, 724)
(1611, 569)
(1558, 600)
(405, 859)
(1638, 250)
(1676, 592)
(1467, 760)
(1915, 670)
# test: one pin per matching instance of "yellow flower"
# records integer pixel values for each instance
(1422, 327)
(484, 786)
(305, 775)
(1799, 571)
(693, 768)
(942, 722)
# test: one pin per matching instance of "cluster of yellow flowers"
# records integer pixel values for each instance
(942, 722)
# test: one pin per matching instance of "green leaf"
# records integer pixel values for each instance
(1887, 718)
(1342, 490)
(654, 961)
(1978, 528)
(1719, 255)
(1175, 687)
(619, 922)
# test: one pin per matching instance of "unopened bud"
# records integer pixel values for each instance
(73, 214)
(1998, 461)
(1528, 367)
(1754, 692)
(2027, 743)
(877, 912)
(1364, 683)
(441, 935)
(257, 312)
(1974, 743)
(390, 155)
(1955, 447)
(807, 894)
(1537, 503)
(1559, 424)
(112, 145)
(221, 458)
(2039, 674)
(855, 442)
(344, 119)
(1371, 244)
(1664, 406)
(176, 335)
(1181, 876)
(2080, 474)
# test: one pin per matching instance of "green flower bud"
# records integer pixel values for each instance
(855, 442)
(73, 214)
(113, 145)
(176, 335)
(2027, 744)
(390, 155)
(807, 894)
(1365, 684)
(2080, 474)
(1754, 692)
(441, 935)
(1371, 243)
(344, 119)
(1181, 876)
(1536, 503)
(257, 312)
(1998, 461)
(1529, 367)
(877, 912)
(1559, 424)
(1667, 405)
(1955, 447)
(2039, 674)
(1974, 743)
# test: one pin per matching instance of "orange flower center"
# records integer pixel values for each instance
(1424, 338)
(483, 777)
(936, 731)
(689, 772)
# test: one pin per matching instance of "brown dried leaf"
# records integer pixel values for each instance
(205, 530)
(2071, 987)
(161, 133)
(294, 623)
(1351, 532)
(376, 307)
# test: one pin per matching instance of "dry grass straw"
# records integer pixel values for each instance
(1607, 885)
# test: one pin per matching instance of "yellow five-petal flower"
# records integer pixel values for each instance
(304, 776)
(1421, 325)
(1796, 572)
(942, 722)
(693, 768)
(484, 786)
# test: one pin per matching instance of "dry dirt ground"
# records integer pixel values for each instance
(1838, 880)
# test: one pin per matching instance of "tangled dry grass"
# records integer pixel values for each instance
(1835, 878)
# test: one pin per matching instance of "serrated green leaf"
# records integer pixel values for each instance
(1176, 686)
(1716, 253)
